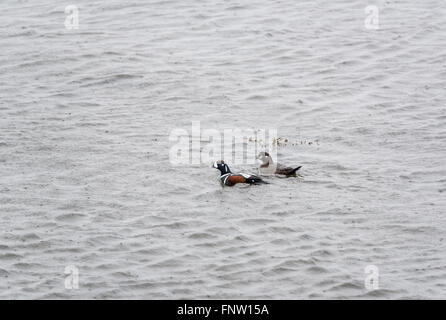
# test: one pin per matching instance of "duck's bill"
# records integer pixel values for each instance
(215, 165)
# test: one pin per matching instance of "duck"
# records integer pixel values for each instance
(268, 167)
(228, 178)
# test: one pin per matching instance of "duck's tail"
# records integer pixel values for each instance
(293, 171)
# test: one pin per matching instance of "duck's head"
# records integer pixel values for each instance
(222, 166)
(264, 159)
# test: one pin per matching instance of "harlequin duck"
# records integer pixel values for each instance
(268, 167)
(229, 179)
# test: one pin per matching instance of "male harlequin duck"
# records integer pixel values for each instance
(268, 167)
(229, 179)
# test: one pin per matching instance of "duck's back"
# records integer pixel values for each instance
(268, 170)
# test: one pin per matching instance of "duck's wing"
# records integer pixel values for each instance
(234, 179)
(281, 169)
(251, 178)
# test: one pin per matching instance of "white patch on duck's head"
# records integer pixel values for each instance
(264, 159)
(222, 166)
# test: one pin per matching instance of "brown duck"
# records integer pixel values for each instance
(268, 167)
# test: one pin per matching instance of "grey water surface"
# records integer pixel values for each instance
(85, 175)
